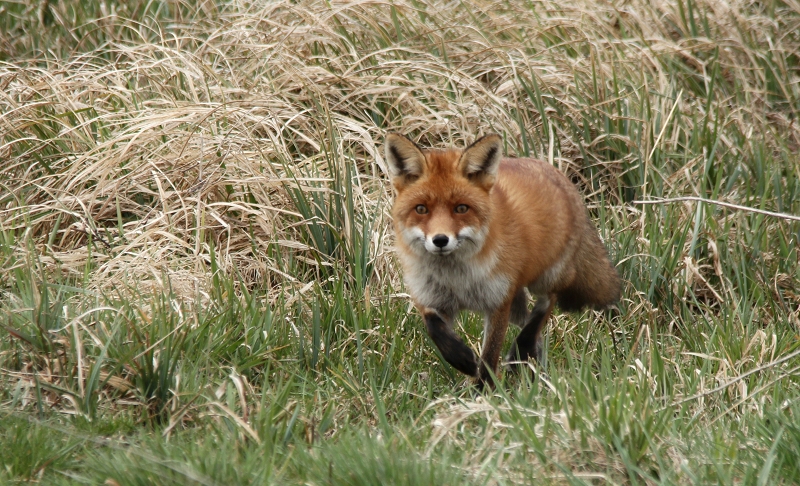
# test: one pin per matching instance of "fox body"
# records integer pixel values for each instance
(474, 230)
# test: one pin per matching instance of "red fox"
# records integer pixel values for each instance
(474, 230)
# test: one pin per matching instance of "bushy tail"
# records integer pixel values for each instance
(596, 283)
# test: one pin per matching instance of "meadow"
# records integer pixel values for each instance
(197, 276)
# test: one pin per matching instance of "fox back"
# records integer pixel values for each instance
(474, 230)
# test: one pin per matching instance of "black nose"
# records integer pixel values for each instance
(440, 241)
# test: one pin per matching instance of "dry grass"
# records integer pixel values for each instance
(184, 140)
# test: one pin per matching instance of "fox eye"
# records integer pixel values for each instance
(462, 208)
(421, 209)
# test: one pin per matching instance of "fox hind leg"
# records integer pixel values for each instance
(528, 343)
(519, 308)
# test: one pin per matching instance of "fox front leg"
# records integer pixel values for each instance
(453, 349)
(494, 334)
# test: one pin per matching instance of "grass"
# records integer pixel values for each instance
(197, 281)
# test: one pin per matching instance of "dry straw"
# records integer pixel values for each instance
(156, 151)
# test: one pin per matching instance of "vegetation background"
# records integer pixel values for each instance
(197, 283)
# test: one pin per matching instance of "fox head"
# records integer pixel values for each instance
(443, 196)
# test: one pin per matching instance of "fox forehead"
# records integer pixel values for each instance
(442, 181)
(442, 161)
(442, 191)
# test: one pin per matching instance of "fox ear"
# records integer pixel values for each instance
(480, 161)
(406, 160)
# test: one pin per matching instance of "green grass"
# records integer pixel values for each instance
(197, 280)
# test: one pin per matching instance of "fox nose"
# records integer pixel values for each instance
(440, 241)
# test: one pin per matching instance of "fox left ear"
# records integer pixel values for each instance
(480, 161)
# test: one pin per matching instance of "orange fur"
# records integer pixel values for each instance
(524, 226)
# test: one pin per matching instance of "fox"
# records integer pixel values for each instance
(476, 231)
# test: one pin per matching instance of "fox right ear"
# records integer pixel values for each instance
(406, 160)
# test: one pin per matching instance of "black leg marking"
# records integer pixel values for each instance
(519, 309)
(528, 343)
(486, 381)
(453, 349)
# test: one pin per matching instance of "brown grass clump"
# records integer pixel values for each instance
(146, 155)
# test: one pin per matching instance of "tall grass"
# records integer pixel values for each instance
(197, 282)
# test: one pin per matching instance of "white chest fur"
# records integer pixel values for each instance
(450, 284)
